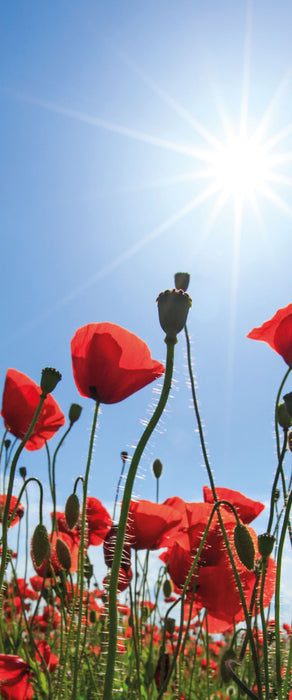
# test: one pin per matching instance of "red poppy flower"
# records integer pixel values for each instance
(14, 678)
(150, 525)
(20, 400)
(216, 589)
(50, 659)
(110, 363)
(247, 509)
(277, 332)
(19, 513)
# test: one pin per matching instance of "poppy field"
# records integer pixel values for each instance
(211, 625)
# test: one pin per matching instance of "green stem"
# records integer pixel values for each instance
(224, 533)
(277, 597)
(109, 678)
(80, 578)
(53, 476)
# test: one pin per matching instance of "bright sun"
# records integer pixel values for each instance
(241, 168)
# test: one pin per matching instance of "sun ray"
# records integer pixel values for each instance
(113, 265)
(176, 107)
(200, 154)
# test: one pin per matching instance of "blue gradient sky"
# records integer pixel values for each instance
(106, 108)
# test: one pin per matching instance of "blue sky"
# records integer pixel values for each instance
(109, 113)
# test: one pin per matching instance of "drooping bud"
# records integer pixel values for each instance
(173, 309)
(244, 546)
(170, 625)
(72, 510)
(74, 412)
(157, 468)
(63, 554)
(22, 472)
(227, 655)
(288, 403)
(284, 420)
(49, 380)
(167, 588)
(182, 280)
(40, 544)
(265, 544)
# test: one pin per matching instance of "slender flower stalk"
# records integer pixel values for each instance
(109, 677)
(225, 536)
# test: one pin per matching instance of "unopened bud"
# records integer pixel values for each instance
(40, 544)
(167, 588)
(49, 380)
(170, 625)
(157, 468)
(124, 456)
(284, 420)
(173, 309)
(72, 510)
(244, 546)
(182, 280)
(7, 444)
(22, 472)
(228, 655)
(74, 412)
(63, 554)
(109, 550)
(288, 403)
(290, 441)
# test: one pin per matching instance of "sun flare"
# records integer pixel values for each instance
(241, 167)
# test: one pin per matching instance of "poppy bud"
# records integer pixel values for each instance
(265, 544)
(63, 554)
(244, 546)
(290, 441)
(72, 510)
(167, 588)
(7, 444)
(74, 412)
(49, 380)
(288, 403)
(284, 420)
(92, 616)
(40, 544)
(277, 495)
(182, 280)
(173, 308)
(170, 625)
(109, 550)
(22, 472)
(124, 456)
(157, 468)
(227, 655)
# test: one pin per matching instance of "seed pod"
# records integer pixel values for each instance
(50, 378)
(182, 280)
(244, 546)
(265, 544)
(63, 554)
(157, 468)
(173, 308)
(40, 544)
(72, 510)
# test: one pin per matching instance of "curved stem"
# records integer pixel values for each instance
(109, 678)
